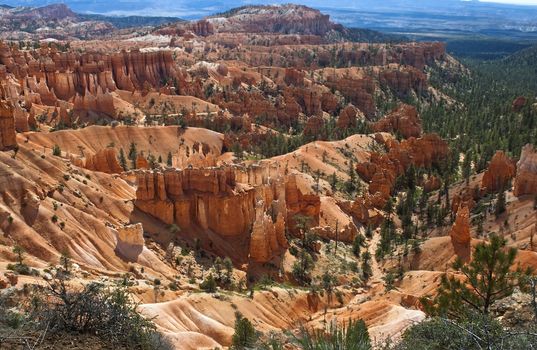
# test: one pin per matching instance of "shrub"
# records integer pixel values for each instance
(302, 268)
(477, 332)
(352, 337)
(94, 309)
(245, 336)
(209, 284)
(56, 151)
(22, 269)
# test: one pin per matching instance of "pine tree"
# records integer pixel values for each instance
(500, 207)
(487, 278)
(333, 182)
(357, 244)
(19, 251)
(133, 154)
(122, 160)
(56, 151)
(169, 159)
(245, 335)
(366, 267)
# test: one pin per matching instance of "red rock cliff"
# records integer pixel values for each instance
(501, 169)
(7, 127)
(526, 177)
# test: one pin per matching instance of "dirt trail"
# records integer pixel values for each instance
(378, 275)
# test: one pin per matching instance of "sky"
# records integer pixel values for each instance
(519, 2)
(189, 9)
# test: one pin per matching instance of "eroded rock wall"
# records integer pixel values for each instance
(212, 200)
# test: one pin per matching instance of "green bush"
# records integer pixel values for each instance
(56, 151)
(209, 284)
(352, 337)
(245, 336)
(94, 309)
(477, 332)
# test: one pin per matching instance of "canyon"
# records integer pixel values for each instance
(264, 149)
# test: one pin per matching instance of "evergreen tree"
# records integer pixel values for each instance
(366, 267)
(500, 207)
(357, 244)
(245, 336)
(333, 182)
(56, 151)
(133, 154)
(487, 278)
(122, 160)
(19, 251)
(169, 159)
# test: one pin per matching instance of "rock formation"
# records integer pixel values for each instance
(382, 170)
(467, 197)
(141, 162)
(347, 117)
(358, 91)
(526, 175)
(501, 169)
(253, 215)
(298, 203)
(131, 235)
(88, 77)
(104, 160)
(460, 231)
(404, 81)
(268, 237)
(7, 127)
(403, 120)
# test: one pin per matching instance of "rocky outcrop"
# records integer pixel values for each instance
(347, 117)
(268, 237)
(403, 120)
(460, 231)
(299, 203)
(131, 234)
(500, 171)
(247, 220)
(202, 28)
(358, 91)
(105, 161)
(314, 126)
(8, 279)
(467, 198)
(526, 175)
(284, 19)
(404, 81)
(87, 77)
(7, 127)
(294, 77)
(21, 118)
(382, 170)
(100, 103)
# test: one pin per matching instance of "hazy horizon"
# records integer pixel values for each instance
(190, 10)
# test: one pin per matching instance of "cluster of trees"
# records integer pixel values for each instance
(460, 315)
(485, 121)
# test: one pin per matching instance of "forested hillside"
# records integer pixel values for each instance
(485, 118)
